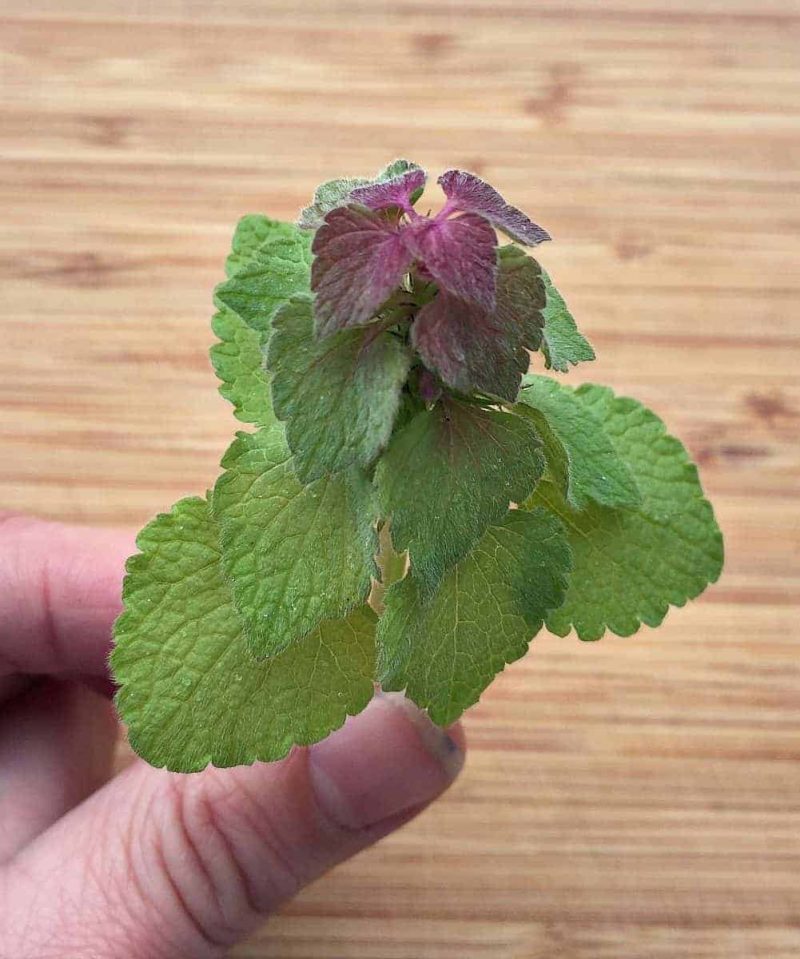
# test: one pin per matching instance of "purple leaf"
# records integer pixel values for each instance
(359, 260)
(472, 348)
(469, 193)
(459, 254)
(428, 386)
(395, 192)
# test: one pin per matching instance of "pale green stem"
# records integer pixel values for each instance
(391, 566)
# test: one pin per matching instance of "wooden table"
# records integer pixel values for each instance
(631, 799)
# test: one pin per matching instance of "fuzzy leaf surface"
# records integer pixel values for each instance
(338, 395)
(475, 349)
(631, 565)
(448, 474)
(562, 342)
(581, 457)
(397, 168)
(251, 231)
(398, 191)
(191, 692)
(237, 359)
(295, 555)
(469, 193)
(238, 362)
(327, 197)
(278, 269)
(445, 650)
(359, 260)
(459, 253)
(336, 193)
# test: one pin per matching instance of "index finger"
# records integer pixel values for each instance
(60, 591)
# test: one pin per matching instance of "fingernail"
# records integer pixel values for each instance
(388, 760)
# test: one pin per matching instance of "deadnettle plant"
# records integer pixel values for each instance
(412, 506)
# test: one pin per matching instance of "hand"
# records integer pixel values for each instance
(152, 864)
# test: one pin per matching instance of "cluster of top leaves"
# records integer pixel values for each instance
(412, 507)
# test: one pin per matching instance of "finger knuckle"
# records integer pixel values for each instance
(218, 829)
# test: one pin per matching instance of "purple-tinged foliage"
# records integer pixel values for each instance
(335, 193)
(471, 333)
(472, 348)
(449, 335)
(397, 192)
(359, 260)
(470, 194)
(429, 388)
(459, 253)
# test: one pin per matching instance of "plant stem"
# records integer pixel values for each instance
(392, 567)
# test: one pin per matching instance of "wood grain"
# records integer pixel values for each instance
(631, 799)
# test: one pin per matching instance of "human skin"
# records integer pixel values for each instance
(150, 864)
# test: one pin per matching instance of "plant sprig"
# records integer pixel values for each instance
(412, 506)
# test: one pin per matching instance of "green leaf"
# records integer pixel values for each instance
(328, 196)
(295, 555)
(450, 473)
(562, 343)
(580, 456)
(237, 360)
(444, 651)
(278, 269)
(191, 693)
(630, 565)
(395, 169)
(335, 193)
(391, 568)
(338, 395)
(251, 231)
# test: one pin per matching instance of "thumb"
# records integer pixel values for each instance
(164, 865)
